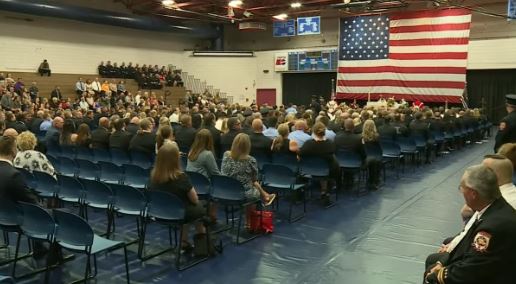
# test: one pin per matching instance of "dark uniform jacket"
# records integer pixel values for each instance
(100, 138)
(120, 140)
(507, 131)
(487, 253)
(12, 185)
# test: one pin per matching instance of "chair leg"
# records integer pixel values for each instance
(178, 249)
(126, 265)
(13, 271)
(142, 238)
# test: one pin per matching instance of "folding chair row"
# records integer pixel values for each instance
(114, 155)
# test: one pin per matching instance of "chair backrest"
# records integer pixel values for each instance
(288, 160)
(88, 169)
(46, 182)
(390, 148)
(36, 221)
(278, 174)
(227, 188)
(119, 156)
(72, 229)
(84, 153)
(201, 183)
(141, 159)
(70, 187)
(110, 170)
(348, 159)
(9, 213)
(164, 205)
(97, 192)
(6, 280)
(68, 151)
(128, 197)
(54, 161)
(68, 166)
(314, 166)
(406, 143)
(101, 154)
(136, 175)
(29, 178)
(262, 158)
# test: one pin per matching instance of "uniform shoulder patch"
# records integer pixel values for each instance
(502, 126)
(481, 241)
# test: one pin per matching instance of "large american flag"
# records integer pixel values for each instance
(415, 56)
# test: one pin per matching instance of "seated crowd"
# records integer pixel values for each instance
(206, 136)
(148, 77)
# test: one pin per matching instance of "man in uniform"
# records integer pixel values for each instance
(485, 251)
(507, 129)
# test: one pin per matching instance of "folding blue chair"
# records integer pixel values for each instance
(100, 196)
(37, 225)
(230, 193)
(392, 152)
(68, 151)
(141, 159)
(71, 190)
(288, 160)
(67, 167)
(408, 147)
(75, 234)
(374, 151)
(280, 178)
(119, 157)
(87, 169)
(110, 173)
(315, 168)
(54, 162)
(84, 153)
(54, 149)
(261, 159)
(351, 162)
(29, 178)
(136, 176)
(10, 214)
(166, 209)
(201, 184)
(101, 155)
(47, 185)
(129, 201)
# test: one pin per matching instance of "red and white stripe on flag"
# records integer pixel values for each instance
(427, 59)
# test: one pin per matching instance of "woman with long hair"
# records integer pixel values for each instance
(201, 159)
(370, 138)
(165, 134)
(83, 136)
(67, 137)
(167, 176)
(281, 144)
(238, 164)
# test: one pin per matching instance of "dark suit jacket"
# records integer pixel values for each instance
(132, 128)
(260, 143)
(185, 136)
(13, 186)
(387, 131)
(420, 128)
(226, 140)
(120, 140)
(487, 252)
(52, 137)
(100, 138)
(35, 124)
(348, 141)
(144, 142)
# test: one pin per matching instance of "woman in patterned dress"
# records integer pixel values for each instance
(30, 159)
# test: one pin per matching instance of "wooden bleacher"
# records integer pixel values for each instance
(67, 84)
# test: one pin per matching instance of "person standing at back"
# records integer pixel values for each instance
(507, 129)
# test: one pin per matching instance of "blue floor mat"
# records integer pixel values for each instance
(383, 237)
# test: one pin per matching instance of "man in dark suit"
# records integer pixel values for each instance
(144, 140)
(36, 122)
(12, 185)
(347, 140)
(185, 133)
(386, 130)
(421, 129)
(260, 144)
(120, 139)
(53, 133)
(485, 251)
(133, 126)
(235, 127)
(100, 136)
(507, 128)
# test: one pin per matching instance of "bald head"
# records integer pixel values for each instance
(349, 125)
(104, 122)
(11, 132)
(257, 125)
(58, 122)
(501, 166)
(135, 120)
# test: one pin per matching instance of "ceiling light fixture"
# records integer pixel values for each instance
(235, 3)
(281, 17)
(168, 2)
(296, 5)
(347, 1)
